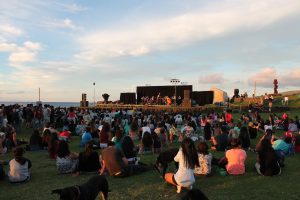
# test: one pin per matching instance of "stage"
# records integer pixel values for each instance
(154, 107)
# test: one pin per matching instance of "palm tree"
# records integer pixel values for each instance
(105, 97)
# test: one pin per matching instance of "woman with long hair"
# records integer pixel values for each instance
(188, 159)
(88, 159)
(129, 150)
(267, 164)
(53, 145)
(134, 128)
(244, 138)
(66, 162)
(104, 135)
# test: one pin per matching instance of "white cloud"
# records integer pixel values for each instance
(264, 78)
(35, 46)
(22, 56)
(286, 78)
(72, 8)
(7, 47)
(9, 30)
(215, 78)
(290, 77)
(215, 20)
(26, 53)
(61, 23)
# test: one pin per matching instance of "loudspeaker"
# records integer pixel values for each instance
(83, 97)
(84, 104)
(186, 103)
(186, 94)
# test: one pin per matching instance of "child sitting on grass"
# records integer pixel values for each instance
(204, 158)
(19, 167)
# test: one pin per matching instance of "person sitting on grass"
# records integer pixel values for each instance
(19, 167)
(115, 162)
(234, 160)
(86, 137)
(267, 161)
(297, 143)
(244, 138)
(205, 159)
(146, 145)
(129, 150)
(88, 159)
(104, 135)
(252, 130)
(220, 142)
(188, 159)
(46, 135)
(118, 139)
(65, 134)
(35, 141)
(283, 147)
(173, 132)
(53, 145)
(66, 162)
(3, 148)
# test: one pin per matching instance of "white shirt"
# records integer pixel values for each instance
(18, 172)
(266, 127)
(184, 176)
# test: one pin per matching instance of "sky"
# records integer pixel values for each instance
(64, 46)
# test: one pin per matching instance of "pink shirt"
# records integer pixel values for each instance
(236, 161)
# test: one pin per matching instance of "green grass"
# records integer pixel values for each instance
(149, 185)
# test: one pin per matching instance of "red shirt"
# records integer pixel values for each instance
(65, 134)
(228, 117)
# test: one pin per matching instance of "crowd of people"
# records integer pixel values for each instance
(160, 100)
(113, 141)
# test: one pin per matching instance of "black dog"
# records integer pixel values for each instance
(87, 191)
(163, 160)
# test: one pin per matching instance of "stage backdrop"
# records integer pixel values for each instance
(128, 98)
(167, 90)
(203, 97)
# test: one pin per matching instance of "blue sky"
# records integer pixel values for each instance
(65, 46)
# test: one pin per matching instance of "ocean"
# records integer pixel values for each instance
(55, 104)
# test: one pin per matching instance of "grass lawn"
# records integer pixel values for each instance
(149, 185)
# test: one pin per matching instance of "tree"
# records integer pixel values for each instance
(105, 97)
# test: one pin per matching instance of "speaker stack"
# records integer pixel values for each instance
(84, 102)
(186, 102)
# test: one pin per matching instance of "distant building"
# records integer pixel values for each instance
(219, 95)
